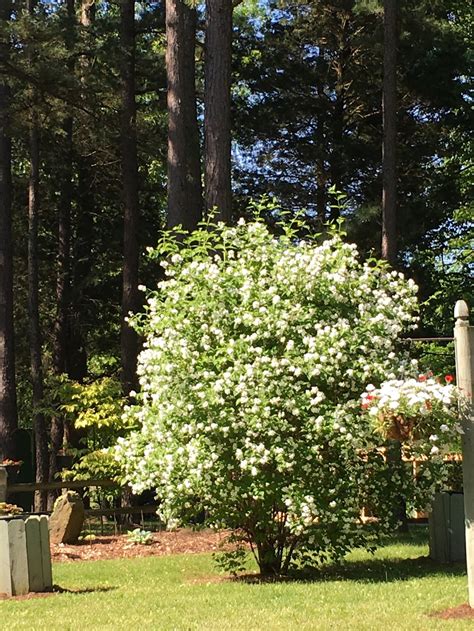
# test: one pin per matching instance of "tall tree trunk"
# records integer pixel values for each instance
(184, 170)
(79, 249)
(36, 368)
(389, 195)
(217, 121)
(87, 12)
(321, 191)
(63, 278)
(128, 133)
(8, 409)
(389, 105)
(81, 263)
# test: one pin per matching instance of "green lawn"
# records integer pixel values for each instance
(393, 590)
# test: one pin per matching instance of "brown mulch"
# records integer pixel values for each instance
(183, 541)
(28, 596)
(460, 612)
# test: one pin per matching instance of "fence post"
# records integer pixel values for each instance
(3, 484)
(464, 351)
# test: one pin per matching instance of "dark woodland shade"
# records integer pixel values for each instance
(128, 127)
(8, 413)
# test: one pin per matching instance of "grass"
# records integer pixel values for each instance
(393, 589)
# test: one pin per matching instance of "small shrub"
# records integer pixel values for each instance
(140, 537)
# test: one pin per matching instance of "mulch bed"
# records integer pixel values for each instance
(460, 612)
(183, 541)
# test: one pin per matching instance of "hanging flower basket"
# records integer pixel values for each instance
(399, 428)
(415, 409)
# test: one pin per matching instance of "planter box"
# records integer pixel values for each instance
(447, 529)
(25, 557)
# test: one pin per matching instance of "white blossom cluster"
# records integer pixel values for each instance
(426, 407)
(256, 351)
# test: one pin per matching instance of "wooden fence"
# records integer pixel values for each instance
(113, 512)
(150, 509)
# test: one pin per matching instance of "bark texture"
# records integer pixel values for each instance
(184, 170)
(8, 410)
(63, 274)
(217, 121)
(389, 105)
(130, 299)
(87, 12)
(36, 368)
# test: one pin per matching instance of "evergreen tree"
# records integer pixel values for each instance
(217, 122)
(184, 170)
(130, 300)
(8, 410)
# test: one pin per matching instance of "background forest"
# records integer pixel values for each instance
(121, 118)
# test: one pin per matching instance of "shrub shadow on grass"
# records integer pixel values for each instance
(370, 571)
(382, 570)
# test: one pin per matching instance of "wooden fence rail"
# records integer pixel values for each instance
(27, 487)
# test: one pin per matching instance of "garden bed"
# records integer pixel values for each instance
(183, 541)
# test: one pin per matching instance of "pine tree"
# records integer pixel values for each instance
(184, 171)
(8, 410)
(217, 114)
(130, 300)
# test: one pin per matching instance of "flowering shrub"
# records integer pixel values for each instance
(256, 351)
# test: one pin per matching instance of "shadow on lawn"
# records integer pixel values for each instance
(57, 589)
(370, 571)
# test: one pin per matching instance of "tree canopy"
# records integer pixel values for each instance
(121, 138)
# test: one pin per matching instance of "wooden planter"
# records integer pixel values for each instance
(25, 557)
(447, 529)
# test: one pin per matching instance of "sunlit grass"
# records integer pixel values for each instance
(397, 588)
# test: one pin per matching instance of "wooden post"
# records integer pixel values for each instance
(464, 350)
(3, 484)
